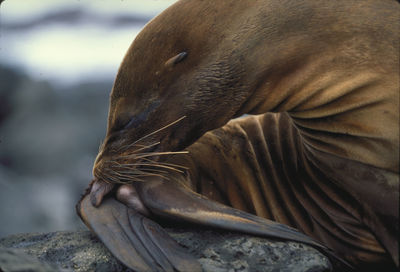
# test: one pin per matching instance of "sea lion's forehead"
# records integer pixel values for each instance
(146, 62)
(179, 29)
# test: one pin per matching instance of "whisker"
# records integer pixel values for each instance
(133, 175)
(167, 163)
(152, 154)
(107, 177)
(129, 173)
(128, 178)
(119, 173)
(138, 172)
(112, 176)
(160, 154)
(160, 129)
(145, 147)
(144, 170)
(167, 167)
(154, 165)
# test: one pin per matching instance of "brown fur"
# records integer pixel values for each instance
(327, 162)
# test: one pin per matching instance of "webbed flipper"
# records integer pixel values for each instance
(171, 200)
(135, 240)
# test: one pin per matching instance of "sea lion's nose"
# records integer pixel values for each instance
(99, 189)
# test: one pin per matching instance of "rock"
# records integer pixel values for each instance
(216, 251)
(15, 260)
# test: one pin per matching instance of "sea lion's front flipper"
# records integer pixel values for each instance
(174, 201)
(135, 240)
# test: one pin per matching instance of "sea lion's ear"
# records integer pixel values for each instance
(136, 241)
(176, 59)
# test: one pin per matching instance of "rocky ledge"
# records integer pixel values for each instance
(216, 251)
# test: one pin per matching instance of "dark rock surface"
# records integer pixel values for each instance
(13, 259)
(216, 251)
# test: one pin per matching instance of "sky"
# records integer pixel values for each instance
(88, 46)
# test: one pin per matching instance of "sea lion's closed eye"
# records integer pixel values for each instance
(176, 59)
(138, 119)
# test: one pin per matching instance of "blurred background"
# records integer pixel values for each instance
(58, 59)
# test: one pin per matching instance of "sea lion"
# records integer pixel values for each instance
(318, 151)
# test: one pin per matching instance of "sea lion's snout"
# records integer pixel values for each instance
(136, 160)
(99, 189)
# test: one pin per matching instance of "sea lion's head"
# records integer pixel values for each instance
(174, 84)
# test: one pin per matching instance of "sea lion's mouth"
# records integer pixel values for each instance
(144, 157)
(124, 170)
(142, 163)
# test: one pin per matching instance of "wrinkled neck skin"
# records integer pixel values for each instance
(253, 57)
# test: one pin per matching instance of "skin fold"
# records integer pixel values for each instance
(317, 150)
